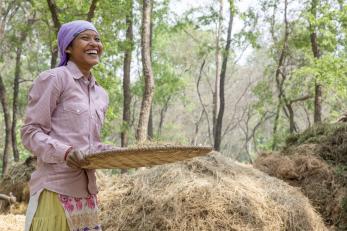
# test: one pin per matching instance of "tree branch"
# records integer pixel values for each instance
(303, 98)
(229, 126)
(200, 99)
(91, 11)
(54, 12)
(10, 199)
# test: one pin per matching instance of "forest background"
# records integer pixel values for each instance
(240, 76)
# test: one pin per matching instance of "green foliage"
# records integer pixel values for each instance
(180, 45)
(315, 134)
(168, 84)
(112, 84)
(250, 32)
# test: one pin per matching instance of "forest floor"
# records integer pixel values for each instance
(301, 187)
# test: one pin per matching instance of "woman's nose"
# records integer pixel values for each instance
(93, 42)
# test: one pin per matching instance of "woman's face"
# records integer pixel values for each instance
(86, 49)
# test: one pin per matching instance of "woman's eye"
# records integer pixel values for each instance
(98, 39)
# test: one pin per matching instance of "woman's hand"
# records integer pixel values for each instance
(76, 159)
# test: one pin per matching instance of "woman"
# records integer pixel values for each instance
(64, 116)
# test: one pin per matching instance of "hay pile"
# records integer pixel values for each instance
(16, 182)
(210, 193)
(316, 162)
(329, 142)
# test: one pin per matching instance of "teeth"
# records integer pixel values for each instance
(92, 52)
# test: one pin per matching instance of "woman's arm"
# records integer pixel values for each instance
(43, 98)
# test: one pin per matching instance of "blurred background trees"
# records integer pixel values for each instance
(237, 75)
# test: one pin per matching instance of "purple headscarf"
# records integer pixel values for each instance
(67, 33)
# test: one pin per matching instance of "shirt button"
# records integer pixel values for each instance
(78, 110)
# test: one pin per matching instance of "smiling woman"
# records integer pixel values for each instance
(85, 50)
(64, 116)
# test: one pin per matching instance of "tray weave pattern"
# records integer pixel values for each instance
(143, 156)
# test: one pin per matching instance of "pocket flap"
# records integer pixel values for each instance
(77, 108)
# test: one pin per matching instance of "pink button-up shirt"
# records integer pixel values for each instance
(64, 110)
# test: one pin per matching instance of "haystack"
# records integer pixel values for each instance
(208, 193)
(16, 182)
(316, 162)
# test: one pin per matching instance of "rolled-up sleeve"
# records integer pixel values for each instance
(42, 101)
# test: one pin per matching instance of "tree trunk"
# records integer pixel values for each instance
(4, 103)
(289, 106)
(316, 53)
(91, 11)
(150, 125)
(6, 14)
(218, 67)
(202, 103)
(280, 77)
(150, 121)
(54, 13)
(141, 132)
(15, 97)
(219, 124)
(196, 132)
(275, 127)
(318, 103)
(126, 77)
(292, 128)
(162, 115)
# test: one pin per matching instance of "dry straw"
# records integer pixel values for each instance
(11, 222)
(16, 182)
(206, 193)
(316, 162)
(316, 179)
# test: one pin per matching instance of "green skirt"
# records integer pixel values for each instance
(50, 215)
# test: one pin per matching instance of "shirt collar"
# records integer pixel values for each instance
(77, 74)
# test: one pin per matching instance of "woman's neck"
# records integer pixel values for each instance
(85, 70)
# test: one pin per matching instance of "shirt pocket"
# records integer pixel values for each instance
(75, 117)
(75, 108)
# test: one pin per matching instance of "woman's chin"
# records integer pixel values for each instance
(93, 62)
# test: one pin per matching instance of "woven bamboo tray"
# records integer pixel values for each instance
(143, 156)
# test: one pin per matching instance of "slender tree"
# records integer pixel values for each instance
(163, 111)
(150, 121)
(7, 119)
(126, 76)
(141, 132)
(219, 124)
(316, 53)
(57, 24)
(7, 12)
(17, 74)
(218, 57)
(280, 75)
(91, 12)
